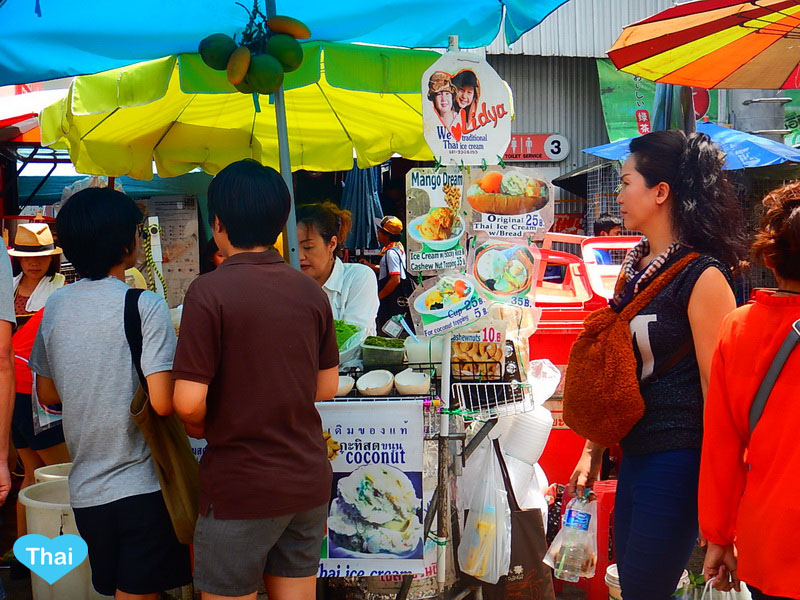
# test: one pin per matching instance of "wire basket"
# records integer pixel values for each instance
(487, 400)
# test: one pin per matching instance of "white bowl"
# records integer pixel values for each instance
(409, 382)
(346, 384)
(375, 383)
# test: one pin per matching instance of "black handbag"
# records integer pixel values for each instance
(528, 577)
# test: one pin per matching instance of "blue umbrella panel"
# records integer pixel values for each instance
(742, 150)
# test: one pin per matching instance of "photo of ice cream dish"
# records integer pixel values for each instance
(376, 511)
(449, 294)
(511, 193)
(440, 229)
(504, 269)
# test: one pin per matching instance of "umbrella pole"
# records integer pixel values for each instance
(286, 173)
(285, 162)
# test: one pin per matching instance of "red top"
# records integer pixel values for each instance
(759, 507)
(257, 332)
(22, 341)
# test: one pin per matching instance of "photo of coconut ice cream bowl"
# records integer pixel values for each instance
(503, 270)
(449, 294)
(376, 511)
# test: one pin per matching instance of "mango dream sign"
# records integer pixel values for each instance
(466, 110)
(375, 515)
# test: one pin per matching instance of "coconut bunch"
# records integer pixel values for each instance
(268, 48)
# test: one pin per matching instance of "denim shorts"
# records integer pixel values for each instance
(231, 556)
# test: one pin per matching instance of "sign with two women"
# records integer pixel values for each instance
(466, 110)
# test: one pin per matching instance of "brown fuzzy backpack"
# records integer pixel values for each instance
(602, 396)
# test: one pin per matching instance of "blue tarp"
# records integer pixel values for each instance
(46, 40)
(743, 150)
(360, 197)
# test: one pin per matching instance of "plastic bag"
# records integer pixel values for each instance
(485, 548)
(709, 593)
(573, 552)
(44, 417)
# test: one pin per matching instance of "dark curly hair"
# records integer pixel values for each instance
(777, 243)
(706, 215)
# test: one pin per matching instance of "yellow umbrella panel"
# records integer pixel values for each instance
(345, 101)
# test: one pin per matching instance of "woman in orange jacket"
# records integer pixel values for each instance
(748, 482)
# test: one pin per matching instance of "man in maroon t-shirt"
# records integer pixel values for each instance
(257, 349)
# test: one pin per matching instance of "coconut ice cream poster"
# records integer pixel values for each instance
(376, 512)
(510, 203)
(466, 110)
(437, 223)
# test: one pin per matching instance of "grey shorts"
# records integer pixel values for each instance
(231, 556)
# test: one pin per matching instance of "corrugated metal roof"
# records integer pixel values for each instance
(556, 95)
(581, 28)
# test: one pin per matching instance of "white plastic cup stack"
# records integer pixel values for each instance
(527, 436)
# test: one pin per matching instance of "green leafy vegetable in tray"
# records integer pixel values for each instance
(383, 342)
(344, 331)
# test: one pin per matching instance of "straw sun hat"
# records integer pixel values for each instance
(33, 239)
(440, 82)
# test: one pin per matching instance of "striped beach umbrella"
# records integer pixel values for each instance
(709, 44)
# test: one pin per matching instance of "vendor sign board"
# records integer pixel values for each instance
(376, 511)
(466, 110)
(437, 222)
(445, 303)
(510, 203)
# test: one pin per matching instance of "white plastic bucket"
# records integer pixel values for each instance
(527, 436)
(51, 472)
(614, 591)
(48, 512)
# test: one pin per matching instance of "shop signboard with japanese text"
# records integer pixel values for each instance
(628, 102)
(466, 110)
(376, 510)
(510, 203)
(436, 221)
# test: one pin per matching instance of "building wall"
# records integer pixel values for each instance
(586, 28)
(555, 95)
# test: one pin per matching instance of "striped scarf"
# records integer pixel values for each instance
(629, 270)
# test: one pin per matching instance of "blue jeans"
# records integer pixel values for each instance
(655, 521)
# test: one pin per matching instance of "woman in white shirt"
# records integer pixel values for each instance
(352, 289)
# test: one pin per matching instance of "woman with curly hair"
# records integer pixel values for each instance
(748, 480)
(674, 192)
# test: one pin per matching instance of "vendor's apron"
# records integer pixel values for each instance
(397, 302)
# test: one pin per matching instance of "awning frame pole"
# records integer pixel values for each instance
(285, 163)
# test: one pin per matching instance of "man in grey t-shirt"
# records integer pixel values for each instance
(7, 322)
(82, 359)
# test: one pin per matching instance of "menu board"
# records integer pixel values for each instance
(375, 516)
(437, 223)
(510, 203)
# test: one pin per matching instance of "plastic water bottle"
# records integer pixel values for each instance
(571, 554)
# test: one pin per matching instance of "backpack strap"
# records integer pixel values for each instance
(133, 331)
(764, 390)
(661, 281)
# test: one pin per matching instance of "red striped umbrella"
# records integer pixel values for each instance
(716, 44)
